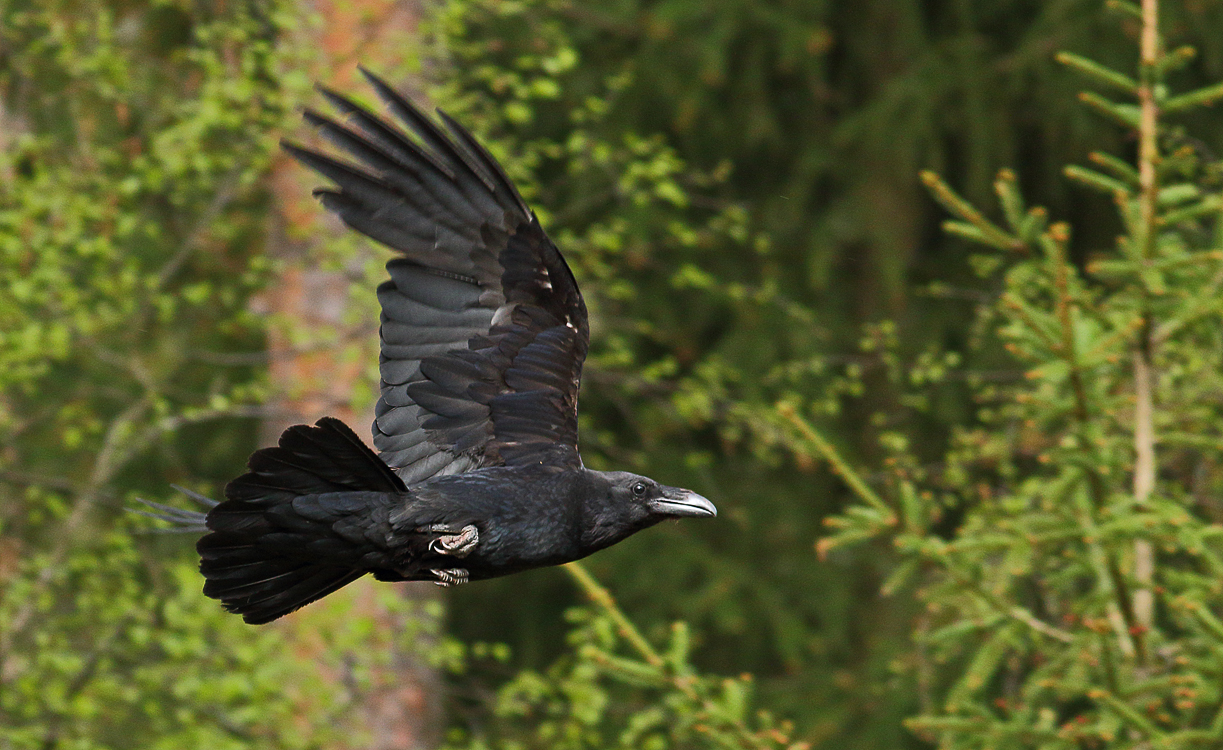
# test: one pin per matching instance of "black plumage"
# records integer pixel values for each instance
(483, 336)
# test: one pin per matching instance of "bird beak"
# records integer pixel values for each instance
(677, 502)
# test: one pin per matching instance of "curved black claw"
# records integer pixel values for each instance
(456, 545)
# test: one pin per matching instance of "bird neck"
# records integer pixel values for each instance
(604, 520)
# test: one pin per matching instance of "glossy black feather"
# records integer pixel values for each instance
(481, 309)
(483, 336)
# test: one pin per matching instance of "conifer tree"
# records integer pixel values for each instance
(1067, 548)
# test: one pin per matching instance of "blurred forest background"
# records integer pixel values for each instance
(736, 185)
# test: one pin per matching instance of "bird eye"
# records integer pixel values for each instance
(639, 489)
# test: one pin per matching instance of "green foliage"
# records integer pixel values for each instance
(1067, 548)
(733, 184)
(679, 382)
(135, 139)
(795, 131)
(118, 664)
(597, 696)
(128, 183)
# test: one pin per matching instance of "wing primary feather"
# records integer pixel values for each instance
(491, 166)
(358, 183)
(428, 181)
(375, 127)
(458, 216)
(430, 133)
(367, 150)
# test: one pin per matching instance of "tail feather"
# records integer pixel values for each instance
(247, 571)
(269, 597)
(263, 558)
(185, 521)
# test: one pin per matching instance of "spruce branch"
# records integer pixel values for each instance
(1144, 422)
(1175, 60)
(1097, 181)
(1125, 8)
(1097, 72)
(1121, 614)
(1119, 167)
(989, 232)
(1200, 98)
(603, 598)
(1125, 114)
(733, 733)
(839, 466)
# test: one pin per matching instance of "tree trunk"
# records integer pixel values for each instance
(401, 708)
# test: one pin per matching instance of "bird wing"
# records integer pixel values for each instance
(484, 330)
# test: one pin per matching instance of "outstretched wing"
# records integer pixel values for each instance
(484, 330)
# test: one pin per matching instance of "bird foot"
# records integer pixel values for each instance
(456, 545)
(449, 576)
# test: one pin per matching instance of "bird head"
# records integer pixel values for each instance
(628, 503)
(646, 500)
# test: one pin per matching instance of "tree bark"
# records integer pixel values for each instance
(400, 709)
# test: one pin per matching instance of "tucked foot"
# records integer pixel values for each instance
(455, 545)
(450, 576)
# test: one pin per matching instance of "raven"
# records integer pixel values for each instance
(483, 336)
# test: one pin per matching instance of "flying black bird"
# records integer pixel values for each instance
(483, 337)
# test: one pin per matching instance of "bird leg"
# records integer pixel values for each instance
(450, 576)
(455, 545)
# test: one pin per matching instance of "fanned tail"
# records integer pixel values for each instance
(268, 555)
